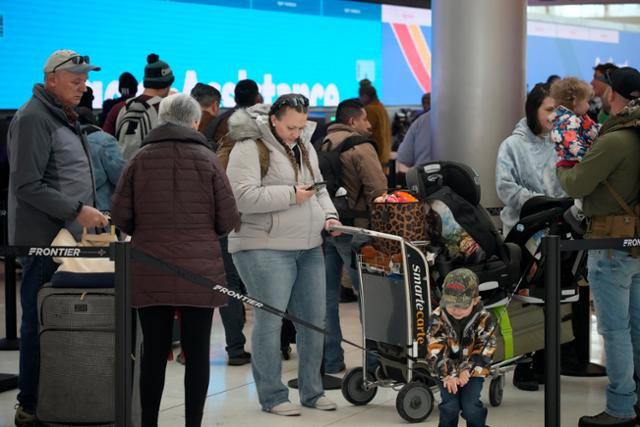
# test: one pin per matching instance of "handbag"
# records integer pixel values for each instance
(406, 219)
(84, 272)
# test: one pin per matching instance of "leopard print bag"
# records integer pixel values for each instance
(405, 219)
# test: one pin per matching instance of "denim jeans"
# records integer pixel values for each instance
(614, 278)
(293, 281)
(467, 400)
(337, 253)
(233, 314)
(36, 271)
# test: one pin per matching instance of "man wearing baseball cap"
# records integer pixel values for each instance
(51, 187)
(460, 348)
(608, 180)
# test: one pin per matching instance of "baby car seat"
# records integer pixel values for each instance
(457, 186)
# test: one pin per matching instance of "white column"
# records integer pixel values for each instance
(479, 80)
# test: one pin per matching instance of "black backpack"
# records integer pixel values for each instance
(331, 169)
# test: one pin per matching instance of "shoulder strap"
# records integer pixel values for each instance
(352, 141)
(619, 199)
(155, 100)
(89, 129)
(502, 316)
(263, 156)
(210, 129)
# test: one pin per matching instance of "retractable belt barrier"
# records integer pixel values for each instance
(552, 247)
(203, 281)
(136, 254)
(122, 253)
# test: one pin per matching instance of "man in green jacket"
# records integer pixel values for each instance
(608, 181)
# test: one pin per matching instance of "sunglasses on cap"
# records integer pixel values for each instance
(77, 60)
(293, 100)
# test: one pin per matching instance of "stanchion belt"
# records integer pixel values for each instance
(502, 315)
(56, 251)
(189, 276)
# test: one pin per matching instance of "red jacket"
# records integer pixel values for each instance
(174, 198)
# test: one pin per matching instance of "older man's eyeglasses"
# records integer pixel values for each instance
(75, 59)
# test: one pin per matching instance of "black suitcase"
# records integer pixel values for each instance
(77, 364)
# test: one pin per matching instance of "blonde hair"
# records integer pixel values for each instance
(569, 91)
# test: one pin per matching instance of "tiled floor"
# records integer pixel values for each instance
(232, 399)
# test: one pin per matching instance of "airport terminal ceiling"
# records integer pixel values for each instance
(396, 53)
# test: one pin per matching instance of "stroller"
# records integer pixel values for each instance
(542, 216)
(513, 263)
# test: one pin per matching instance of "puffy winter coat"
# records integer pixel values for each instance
(271, 219)
(175, 200)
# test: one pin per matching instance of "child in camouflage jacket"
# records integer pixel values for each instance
(460, 349)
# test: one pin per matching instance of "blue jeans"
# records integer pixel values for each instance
(467, 400)
(36, 271)
(614, 278)
(337, 253)
(233, 313)
(293, 281)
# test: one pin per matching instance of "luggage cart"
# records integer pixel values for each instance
(395, 304)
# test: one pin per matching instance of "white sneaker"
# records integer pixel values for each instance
(286, 409)
(324, 404)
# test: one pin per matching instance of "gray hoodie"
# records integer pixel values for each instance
(271, 219)
(525, 167)
(51, 172)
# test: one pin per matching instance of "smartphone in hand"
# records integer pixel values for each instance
(317, 186)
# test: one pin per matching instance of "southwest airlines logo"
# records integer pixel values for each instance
(416, 53)
(405, 23)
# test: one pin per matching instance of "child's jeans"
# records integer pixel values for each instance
(467, 400)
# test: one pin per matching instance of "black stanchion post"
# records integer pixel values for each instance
(10, 342)
(551, 252)
(121, 254)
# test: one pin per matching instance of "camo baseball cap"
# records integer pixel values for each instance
(459, 289)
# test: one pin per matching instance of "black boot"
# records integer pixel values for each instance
(604, 419)
(524, 377)
(347, 295)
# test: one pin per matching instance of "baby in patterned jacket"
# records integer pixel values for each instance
(573, 130)
(460, 348)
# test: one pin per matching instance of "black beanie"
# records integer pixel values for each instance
(157, 73)
(246, 93)
(128, 85)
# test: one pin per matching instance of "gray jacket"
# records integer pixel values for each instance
(51, 171)
(271, 219)
(525, 168)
